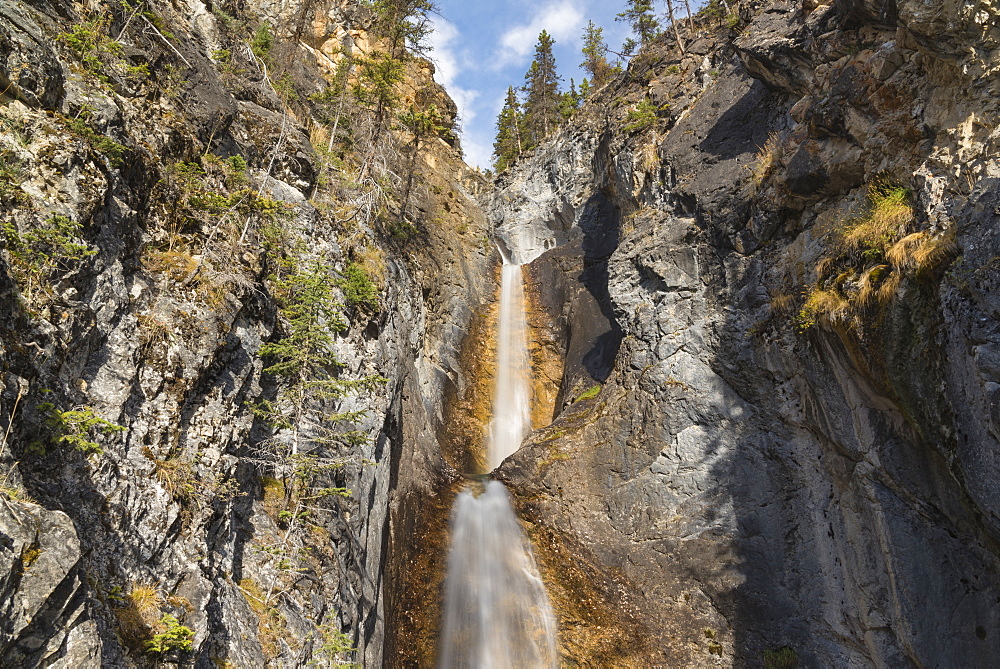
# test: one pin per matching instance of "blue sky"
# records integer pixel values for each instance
(481, 48)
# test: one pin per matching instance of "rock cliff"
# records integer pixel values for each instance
(244, 336)
(186, 208)
(784, 286)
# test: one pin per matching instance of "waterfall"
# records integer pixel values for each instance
(511, 407)
(496, 612)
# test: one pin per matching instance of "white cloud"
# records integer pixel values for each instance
(561, 19)
(448, 66)
(478, 153)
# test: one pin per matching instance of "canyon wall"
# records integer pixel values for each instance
(793, 453)
(161, 179)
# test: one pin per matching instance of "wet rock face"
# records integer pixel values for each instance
(753, 483)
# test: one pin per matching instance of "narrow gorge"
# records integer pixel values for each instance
(255, 353)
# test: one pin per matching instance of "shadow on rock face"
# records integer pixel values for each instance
(570, 283)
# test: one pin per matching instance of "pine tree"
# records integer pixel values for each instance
(541, 87)
(595, 53)
(570, 101)
(405, 23)
(510, 129)
(639, 15)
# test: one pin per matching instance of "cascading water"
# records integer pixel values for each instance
(511, 407)
(496, 613)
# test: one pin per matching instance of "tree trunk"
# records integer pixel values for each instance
(677, 33)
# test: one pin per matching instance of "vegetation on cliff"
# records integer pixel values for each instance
(200, 217)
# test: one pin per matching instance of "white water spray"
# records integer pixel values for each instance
(511, 407)
(496, 613)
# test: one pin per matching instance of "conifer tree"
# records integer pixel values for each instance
(541, 87)
(510, 130)
(595, 53)
(639, 15)
(570, 101)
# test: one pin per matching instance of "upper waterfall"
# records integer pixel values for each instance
(511, 399)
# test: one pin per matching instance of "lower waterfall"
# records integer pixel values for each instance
(496, 612)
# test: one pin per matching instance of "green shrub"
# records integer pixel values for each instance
(644, 115)
(36, 254)
(589, 394)
(262, 42)
(174, 637)
(781, 658)
(90, 43)
(80, 126)
(335, 645)
(77, 427)
(360, 291)
(12, 174)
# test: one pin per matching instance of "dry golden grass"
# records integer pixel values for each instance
(871, 256)
(885, 222)
(146, 600)
(372, 260)
(270, 623)
(869, 286)
(649, 157)
(139, 615)
(783, 304)
(888, 289)
(921, 252)
(178, 478)
(767, 160)
(903, 254)
(179, 266)
(822, 305)
(936, 252)
(823, 267)
(274, 501)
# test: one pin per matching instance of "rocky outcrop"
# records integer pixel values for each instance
(159, 181)
(44, 613)
(763, 477)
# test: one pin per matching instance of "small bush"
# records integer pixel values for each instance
(262, 42)
(335, 645)
(781, 658)
(77, 427)
(39, 252)
(174, 637)
(12, 175)
(359, 290)
(80, 126)
(90, 43)
(644, 115)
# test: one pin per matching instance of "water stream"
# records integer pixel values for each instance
(497, 614)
